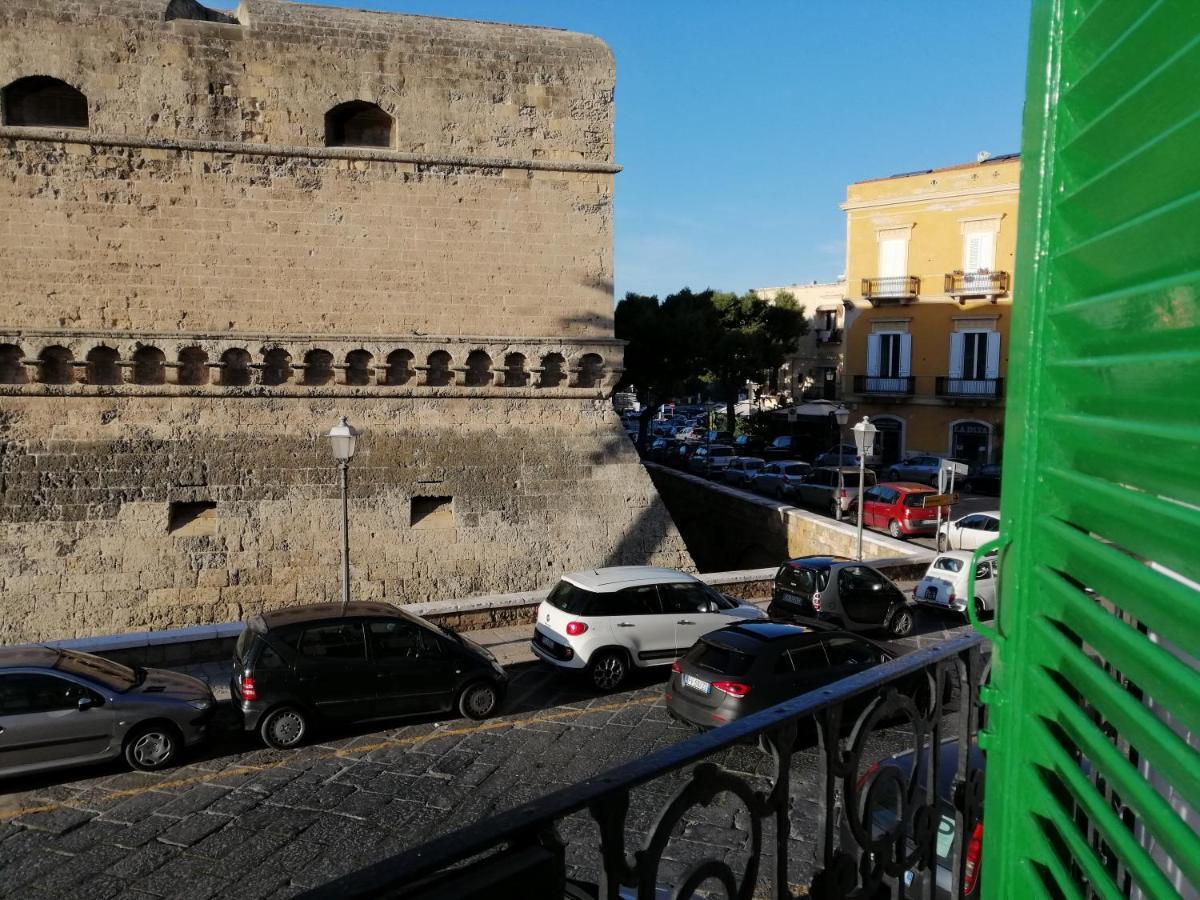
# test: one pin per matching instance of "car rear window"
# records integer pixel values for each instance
(916, 500)
(802, 579)
(722, 660)
(571, 599)
(244, 642)
(949, 564)
(869, 479)
(753, 463)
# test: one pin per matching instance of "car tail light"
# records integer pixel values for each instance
(816, 601)
(953, 596)
(842, 493)
(576, 628)
(249, 692)
(974, 850)
(732, 688)
(676, 668)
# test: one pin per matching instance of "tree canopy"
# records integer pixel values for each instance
(708, 336)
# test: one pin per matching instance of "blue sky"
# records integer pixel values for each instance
(740, 124)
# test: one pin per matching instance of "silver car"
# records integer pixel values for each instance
(64, 708)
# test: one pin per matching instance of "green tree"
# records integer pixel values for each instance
(752, 335)
(667, 348)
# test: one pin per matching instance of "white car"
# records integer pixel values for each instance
(969, 532)
(607, 621)
(944, 584)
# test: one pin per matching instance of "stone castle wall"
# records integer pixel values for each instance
(93, 541)
(202, 194)
(194, 286)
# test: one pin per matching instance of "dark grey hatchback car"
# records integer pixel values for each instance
(306, 664)
(851, 594)
(64, 708)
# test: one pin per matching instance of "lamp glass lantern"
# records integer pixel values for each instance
(864, 437)
(342, 438)
(842, 415)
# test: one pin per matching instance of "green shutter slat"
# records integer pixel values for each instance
(1082, 855)
(1133, 721)
(1034, 884)
(1157, 601)
(1143, 869)
(1125, 513)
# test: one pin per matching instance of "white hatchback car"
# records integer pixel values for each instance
(607, 621)
(969, 532)
(944, 584)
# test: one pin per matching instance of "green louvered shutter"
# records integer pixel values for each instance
(1093, 781)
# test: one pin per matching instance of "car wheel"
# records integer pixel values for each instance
(894, 529)
(479, 700)
(981, 612)
(608, 670)
(152, 747)
(283, 728)
(902, 622)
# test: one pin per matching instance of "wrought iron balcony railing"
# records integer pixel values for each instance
(876, 828)
(879, 384)
(829, 336)
(976, 284)
(970, 388)
(901, 287)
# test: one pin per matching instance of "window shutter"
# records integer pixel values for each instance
(905, 355)
(993, 354)
(979, 251)
(873, 354)
(956, 354)
(893, 258)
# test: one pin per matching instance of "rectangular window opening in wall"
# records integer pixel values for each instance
(192, 518)
(432, 512)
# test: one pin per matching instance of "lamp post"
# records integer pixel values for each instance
(864, 440)
(842, 415)
(342, 438)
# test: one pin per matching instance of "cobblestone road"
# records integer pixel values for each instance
(239, 820)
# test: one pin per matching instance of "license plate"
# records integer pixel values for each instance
(931, 593)
(696, 684)
(789, 598)
(545, 641)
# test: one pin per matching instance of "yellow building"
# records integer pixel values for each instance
(929, 262)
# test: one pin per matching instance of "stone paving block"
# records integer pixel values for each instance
(62, 879)
(183, 879)
(26, 869)
(132, 810)
(269, 817)
(193, 800)
(141, 861)
(194, 828)
(362, 805)
(55, 821)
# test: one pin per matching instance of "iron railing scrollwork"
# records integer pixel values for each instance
(981, 283)
(899, 385)
(875, 828)
(891, 287)
(969, 388)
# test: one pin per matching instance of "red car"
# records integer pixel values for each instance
(896, 507)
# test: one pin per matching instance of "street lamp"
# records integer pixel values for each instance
(864, 440)
(342, 438)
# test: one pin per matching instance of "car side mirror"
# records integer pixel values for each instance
(86, 703)
(710, 606)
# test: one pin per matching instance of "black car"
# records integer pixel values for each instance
(854, 595)
(742, 669)
(747, 445)
(883, 818)
(984, 480)
(305, 664)
(782, 447)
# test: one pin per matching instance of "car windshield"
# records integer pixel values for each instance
(722, 660)
(570, 598)
(110, 674)
(784, 441)
(949, 564)
(752, 463)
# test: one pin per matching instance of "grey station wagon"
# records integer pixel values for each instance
(64, 708)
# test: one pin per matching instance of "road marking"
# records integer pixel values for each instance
(410, 741)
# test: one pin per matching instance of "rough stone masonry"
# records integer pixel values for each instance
(221, 231)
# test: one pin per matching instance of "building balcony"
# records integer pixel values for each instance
(902, 288)
(970, 388)
(829, 336)
(976, 284)
(884, 386)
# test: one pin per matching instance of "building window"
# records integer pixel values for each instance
(39, 101)
(889, 439)
(975, 355)
(357, 123)
(432, 512)
(971, 442)
(979, 251)
(893, 256)
(888, 355)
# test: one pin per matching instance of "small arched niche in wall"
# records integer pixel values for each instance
(39, 101)
(357, 123)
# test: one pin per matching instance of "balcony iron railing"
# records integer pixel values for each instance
(890, 828)
(879, 384)
(900, 287)
(976, 284)
(970, 388)
(829, 336)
